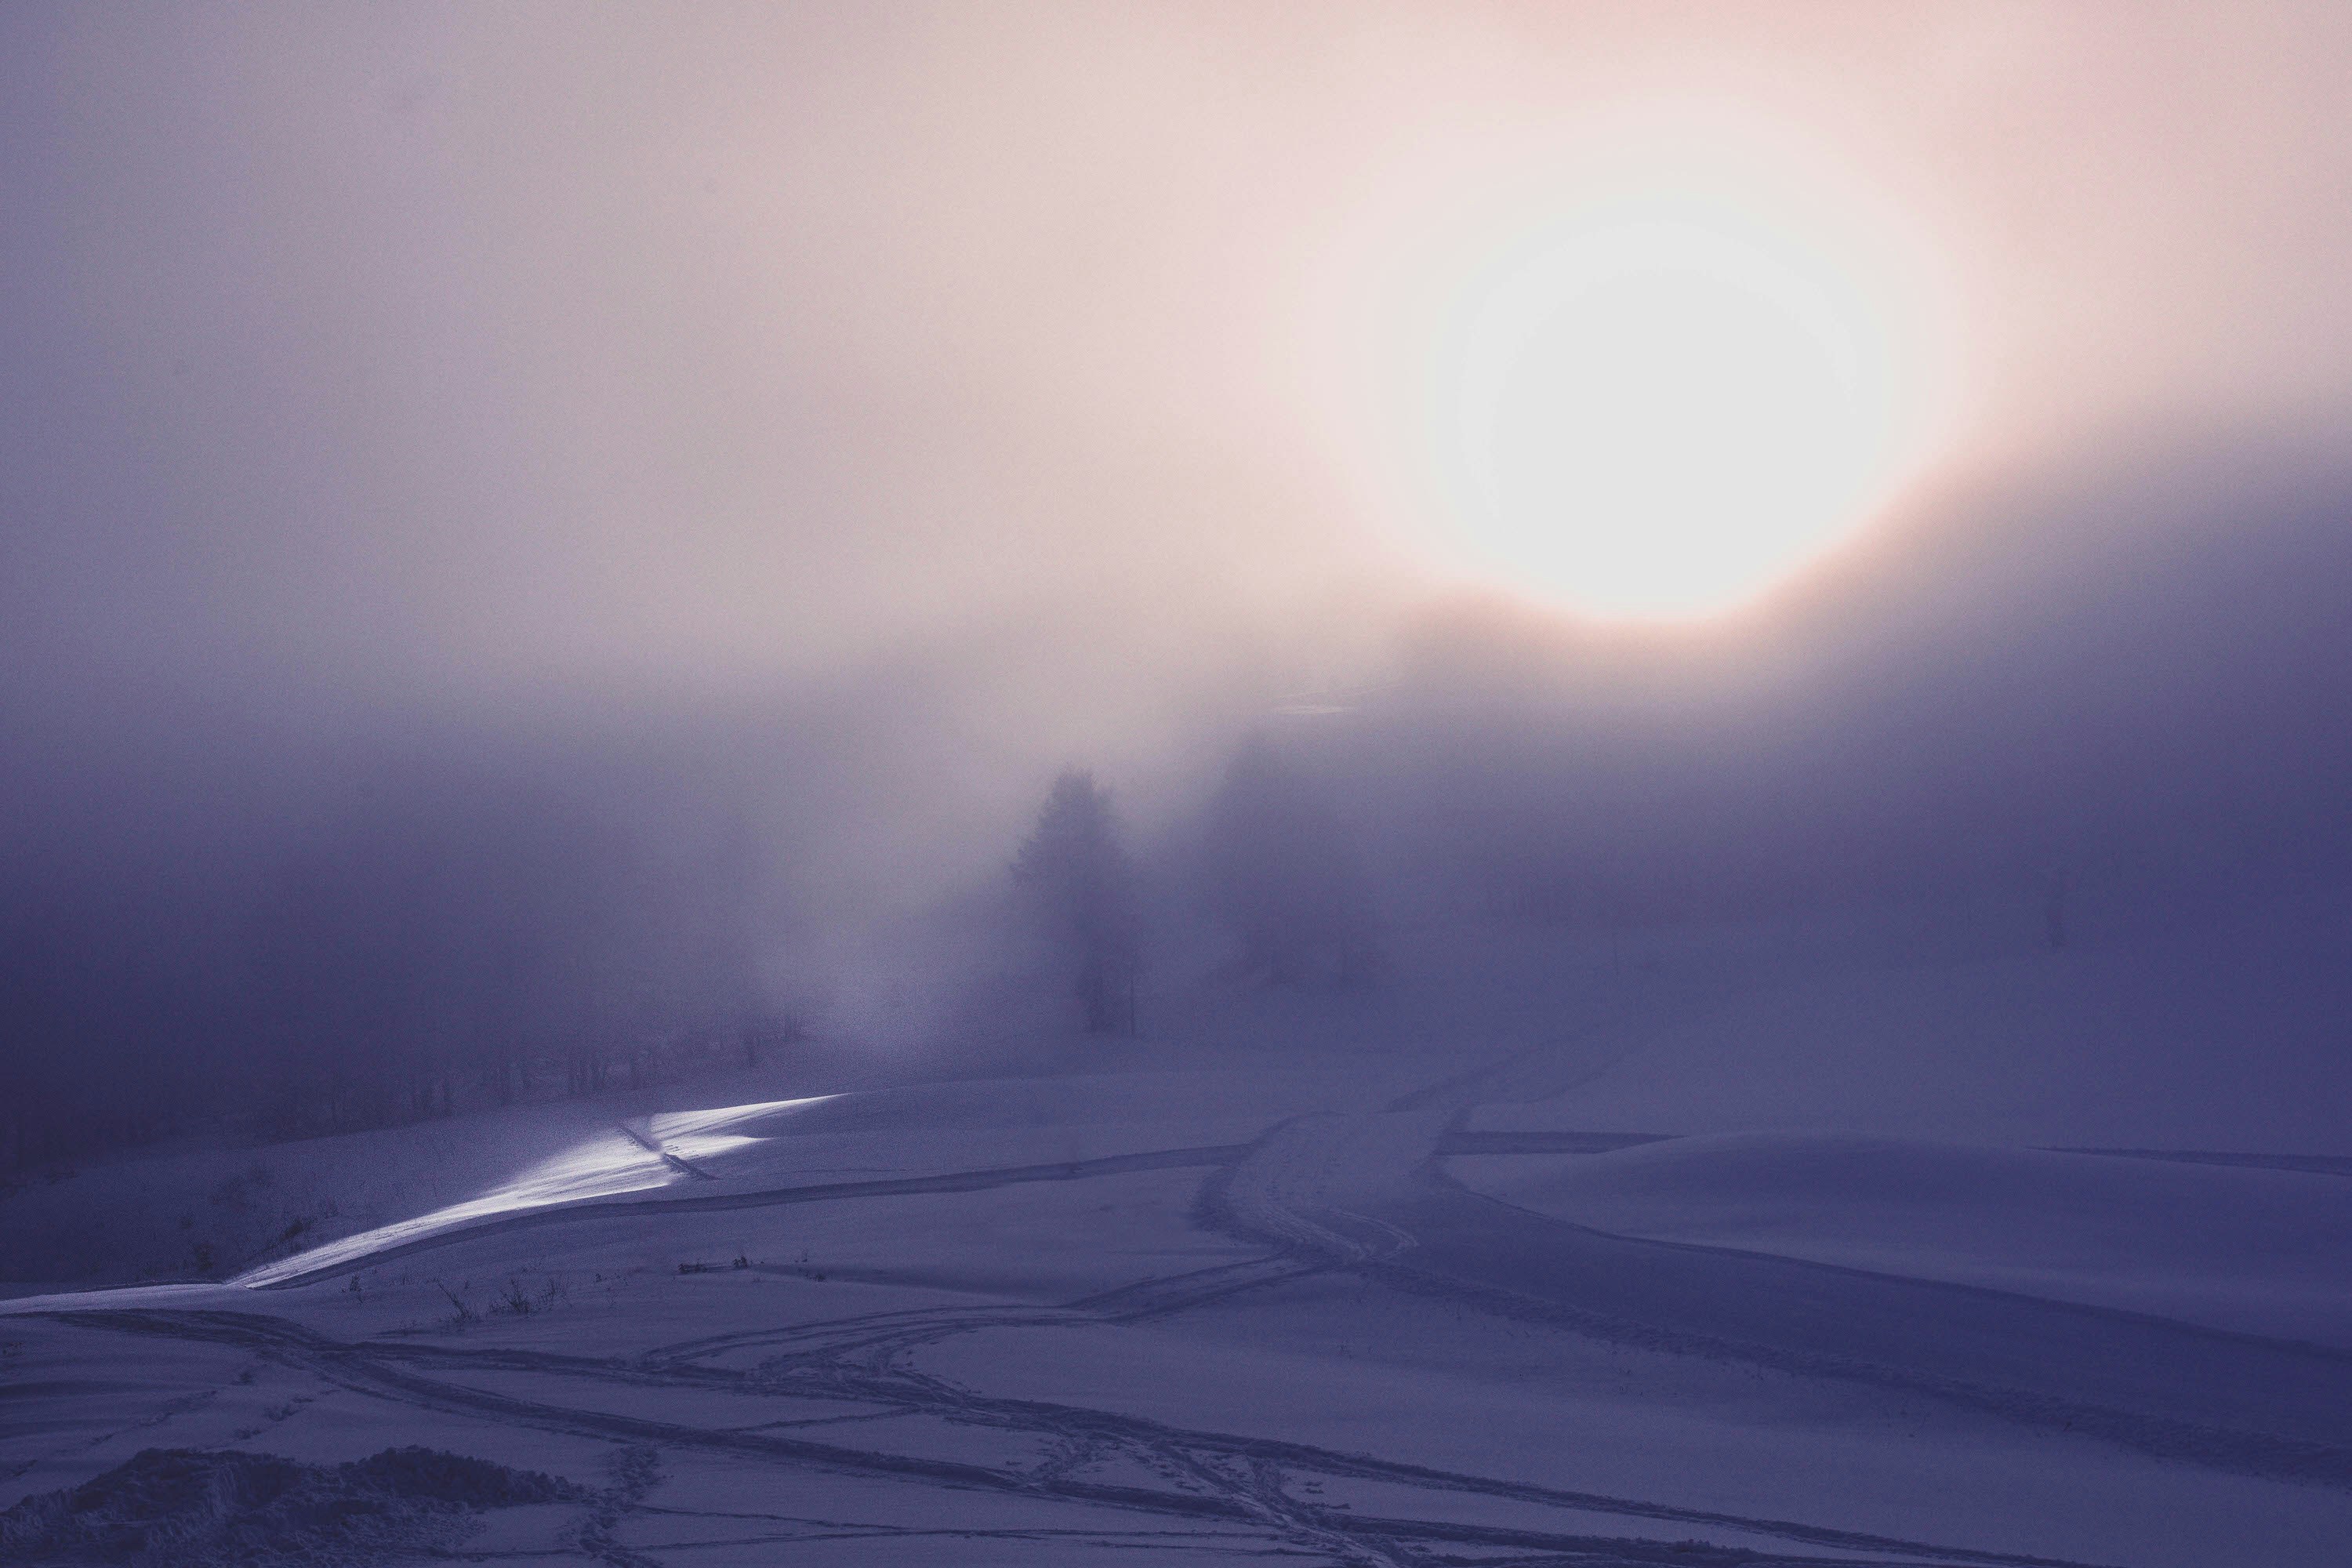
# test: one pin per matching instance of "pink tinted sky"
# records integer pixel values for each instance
(657, 349)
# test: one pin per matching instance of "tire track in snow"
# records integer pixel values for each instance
(1366, 1193)
(1137, 1302)
(1285, 1186)
(2309, 1165)
(1457, 1140)
(2178, 1391)
(1247, 1478)
(1326, 1192)
(1305, 1188)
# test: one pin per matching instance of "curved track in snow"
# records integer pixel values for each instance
(1200, 1478)
(1365, 1194)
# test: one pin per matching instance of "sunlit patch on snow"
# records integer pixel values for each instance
(603, 1165)
(704, 1135)
(600, 1167)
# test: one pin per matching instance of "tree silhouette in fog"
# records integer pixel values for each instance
(1282, 872)
(1082, 885)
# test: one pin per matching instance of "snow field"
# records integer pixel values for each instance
(1384, 1298)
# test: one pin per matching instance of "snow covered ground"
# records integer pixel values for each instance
(1355, 1279)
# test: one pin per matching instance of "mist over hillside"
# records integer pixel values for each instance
(2116, 703)
(1037, 784)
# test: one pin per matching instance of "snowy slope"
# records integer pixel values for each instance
(2217, 1037)
(1318, 1280)
(2259, 1250)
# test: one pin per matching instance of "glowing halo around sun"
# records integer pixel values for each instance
(1655, 417)
(1651, 388)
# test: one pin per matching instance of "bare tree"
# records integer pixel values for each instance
(1082, 885)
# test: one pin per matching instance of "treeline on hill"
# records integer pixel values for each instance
(2153, 723)
(2169, 725)
(1269, 863)
(429, 943)
(395, 942)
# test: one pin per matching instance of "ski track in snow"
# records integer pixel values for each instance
(1364, 1194)
(1213, 1477)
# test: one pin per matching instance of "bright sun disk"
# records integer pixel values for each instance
(1655, 413)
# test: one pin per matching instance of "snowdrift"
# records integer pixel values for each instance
(2249, 1249)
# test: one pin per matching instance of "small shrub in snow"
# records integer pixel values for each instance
(183, 1506)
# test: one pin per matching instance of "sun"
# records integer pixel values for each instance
(1653, 413)
(1657, 416)
(1641, 363)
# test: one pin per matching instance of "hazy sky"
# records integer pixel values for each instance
(1054, 373)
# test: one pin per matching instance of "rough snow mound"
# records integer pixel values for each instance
(185, 1506)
